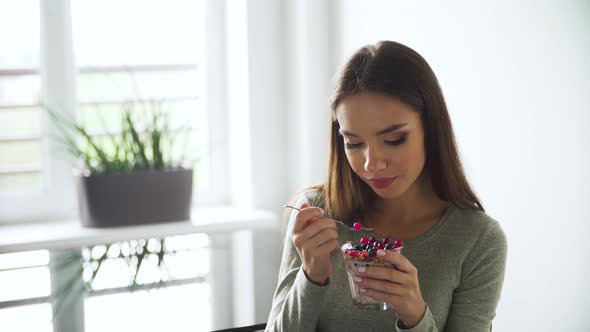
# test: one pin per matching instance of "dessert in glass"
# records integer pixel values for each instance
(364, 253)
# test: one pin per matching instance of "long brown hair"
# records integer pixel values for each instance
(395, 70)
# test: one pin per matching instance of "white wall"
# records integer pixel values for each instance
(310, 62)
(257, 143)
(516, 76)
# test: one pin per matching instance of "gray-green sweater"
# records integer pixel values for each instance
(460, 262)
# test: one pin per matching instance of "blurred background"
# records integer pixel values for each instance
(249, 82)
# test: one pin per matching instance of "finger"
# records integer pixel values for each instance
(318, 226)
(313, 220)
(304, 215)
(322, 237)
(385, 273)
(309, 222)
(381, 296)
(380, 285)
(328, 247)
(396, 259)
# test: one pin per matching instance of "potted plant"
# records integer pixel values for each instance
(129, 177)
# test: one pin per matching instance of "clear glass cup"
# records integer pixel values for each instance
(352, 265)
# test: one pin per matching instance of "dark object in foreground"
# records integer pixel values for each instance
(251, 328)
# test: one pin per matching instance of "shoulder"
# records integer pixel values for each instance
(313, 196)
(478, 228)
(482, 244)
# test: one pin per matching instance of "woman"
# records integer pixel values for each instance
(394, 167)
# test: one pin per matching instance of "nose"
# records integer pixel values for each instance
(375, 160)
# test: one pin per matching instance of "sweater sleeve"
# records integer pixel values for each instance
(475, 300)
(297, 301)
(426, 324)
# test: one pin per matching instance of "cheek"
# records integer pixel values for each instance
(401, 159)
(414, 156)
(355, 160)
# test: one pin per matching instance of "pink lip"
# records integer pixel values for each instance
(381, 183)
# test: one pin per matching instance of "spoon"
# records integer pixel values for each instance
(363, 228)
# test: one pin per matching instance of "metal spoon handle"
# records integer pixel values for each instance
(292, 207)
(338, 221)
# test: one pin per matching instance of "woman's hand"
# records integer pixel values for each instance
(315, 239)
(399, 287)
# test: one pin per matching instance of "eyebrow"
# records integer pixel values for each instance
(387, 130)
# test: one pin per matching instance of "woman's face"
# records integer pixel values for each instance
(383, 140)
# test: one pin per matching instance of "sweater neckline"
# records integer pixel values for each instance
(432, 230)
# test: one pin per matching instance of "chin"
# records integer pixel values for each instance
(392, 192)
(389, 194)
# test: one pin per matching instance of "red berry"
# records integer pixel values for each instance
(357, 225)
(372, 239)
(386, 240)
(381, 246)
(364, 240)
(365, 256)
(398, 244)
(353, 253)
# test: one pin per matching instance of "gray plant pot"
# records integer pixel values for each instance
(142, 197)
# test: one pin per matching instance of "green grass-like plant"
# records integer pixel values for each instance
(146, 140)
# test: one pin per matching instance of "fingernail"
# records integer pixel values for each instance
(381, 252)
(357, 279)
(322, 211)
(362, 269)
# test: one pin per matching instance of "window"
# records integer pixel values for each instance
(20, 120)
(112, 52)
(169, 292)
(183, 302)
(162, 64)
(30, 270)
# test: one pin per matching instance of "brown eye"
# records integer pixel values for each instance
(352, 146)
(396, 142)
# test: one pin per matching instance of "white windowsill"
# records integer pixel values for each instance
(69, 234)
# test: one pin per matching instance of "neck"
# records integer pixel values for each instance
(417, 204)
